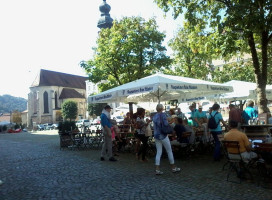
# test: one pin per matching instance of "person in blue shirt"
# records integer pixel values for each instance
(249, 112)
(200, 116)
(193, 112)
(217, 131)
(106, 128)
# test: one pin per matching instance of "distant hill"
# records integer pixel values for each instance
(10, 103)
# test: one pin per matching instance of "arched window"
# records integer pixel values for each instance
(56, 100)
(45, 102)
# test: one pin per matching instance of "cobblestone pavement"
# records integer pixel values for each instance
(33, 167)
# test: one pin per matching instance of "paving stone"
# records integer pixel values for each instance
(33, 167)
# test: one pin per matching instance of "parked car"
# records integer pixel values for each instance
(119, 119)
(40, 127)
(48, 126)
(83, 122)
(55, 126)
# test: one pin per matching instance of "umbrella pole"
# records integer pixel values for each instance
(130, 104)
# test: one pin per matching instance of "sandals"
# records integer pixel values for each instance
(176, 169)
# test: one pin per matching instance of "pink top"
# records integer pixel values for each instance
(112, 133)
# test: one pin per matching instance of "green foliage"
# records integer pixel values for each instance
(96, 108)
(234, 71)
(9, 103)
(229, 27)
(69, 110)
(130, 50)
(190, 60)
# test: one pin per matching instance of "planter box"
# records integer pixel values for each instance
(65, 140)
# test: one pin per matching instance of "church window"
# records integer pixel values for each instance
(45, 102)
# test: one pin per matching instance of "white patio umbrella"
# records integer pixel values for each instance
(240, 91)
(160, 87)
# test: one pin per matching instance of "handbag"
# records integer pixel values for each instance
(148, 131)
(166, 129)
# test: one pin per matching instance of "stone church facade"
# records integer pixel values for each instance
(48, 92)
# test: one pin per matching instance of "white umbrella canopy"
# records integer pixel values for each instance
(160, 87)
(240, 91)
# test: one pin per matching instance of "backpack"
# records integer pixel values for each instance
(212, 123)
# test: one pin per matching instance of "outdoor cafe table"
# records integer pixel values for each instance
(258, 131)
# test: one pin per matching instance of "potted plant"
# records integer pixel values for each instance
(65, 128)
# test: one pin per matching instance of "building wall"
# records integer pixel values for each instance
(37, 112)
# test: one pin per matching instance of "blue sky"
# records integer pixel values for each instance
(58, 34)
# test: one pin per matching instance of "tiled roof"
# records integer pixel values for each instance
(51, 78)
(70, 93)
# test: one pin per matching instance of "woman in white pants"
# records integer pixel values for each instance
(162, 140)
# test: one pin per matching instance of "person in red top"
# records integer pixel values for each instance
(235, 114)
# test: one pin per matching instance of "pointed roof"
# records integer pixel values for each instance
(70, 93)
(51, 78)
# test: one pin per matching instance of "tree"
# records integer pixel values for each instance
(189, 61)
(232, 27)
(130, 50)
(95, 108)
(234, 71)
(16, 117)
(69, 110)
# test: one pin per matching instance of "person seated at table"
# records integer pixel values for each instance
(170, 118)
(245, 146)
(200, 116)
(179, 129)
(189, 128)
(201, 120)
(181, 114)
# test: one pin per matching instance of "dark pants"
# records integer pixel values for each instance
(217, 152)
(143, 148)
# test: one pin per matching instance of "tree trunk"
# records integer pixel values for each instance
(260, 73)
(261, 99)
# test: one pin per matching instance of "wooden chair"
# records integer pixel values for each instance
(76, 140)
(183, 148)
(199, 141)
(234, 160)
(264, 165)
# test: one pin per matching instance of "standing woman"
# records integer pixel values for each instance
(141, 125)
(162, 140)
(217, 131)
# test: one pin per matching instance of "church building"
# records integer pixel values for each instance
(48, 92)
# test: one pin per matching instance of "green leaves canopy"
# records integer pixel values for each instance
(130, 50)
(230, 27)
(69, 110)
